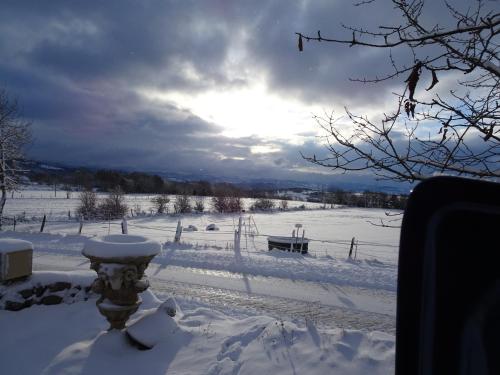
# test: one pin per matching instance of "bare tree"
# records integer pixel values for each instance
(15, 134)
(465, 135)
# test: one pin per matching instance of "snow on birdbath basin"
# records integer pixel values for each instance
(120, 261)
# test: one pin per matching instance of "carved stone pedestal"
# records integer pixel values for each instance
(120, 262)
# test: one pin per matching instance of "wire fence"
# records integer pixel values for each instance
(223, 238)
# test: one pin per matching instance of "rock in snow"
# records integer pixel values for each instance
(212, 227)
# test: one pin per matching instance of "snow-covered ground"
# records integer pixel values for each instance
(236, 292)
(71, 339)
(34, 203)
(209, 259)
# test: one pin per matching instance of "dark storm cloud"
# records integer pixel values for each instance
(322, 72)
(77, 68)
(142, 42)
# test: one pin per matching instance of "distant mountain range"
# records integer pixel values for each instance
(355, 183)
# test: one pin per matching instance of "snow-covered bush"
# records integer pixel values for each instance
(225, 203)
(284, 204)
(113, 206)
(199, 204)
(88, 205)
(182, 204)
(263, 204)
(160, 203)
(235, 204)
(219, 203)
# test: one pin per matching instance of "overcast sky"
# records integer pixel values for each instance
(185, 86)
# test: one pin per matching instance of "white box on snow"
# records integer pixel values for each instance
(16, 258)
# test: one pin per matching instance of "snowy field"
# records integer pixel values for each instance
(34, 203)
(243, 311)
(331, 230)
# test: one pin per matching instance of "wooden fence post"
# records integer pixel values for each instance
(237, 236)
(302, 241)
(178, 232)
(43, 223)
(124, 226)
(351, 248)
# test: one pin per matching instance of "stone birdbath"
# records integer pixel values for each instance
(120, 261)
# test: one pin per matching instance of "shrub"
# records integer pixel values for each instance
(235, 204)
(225, 203)
(113, 206)
(199, 204)
(219, 203)
(160, 203)
(263, 204)
(182, 204)
(284, 204)
(88, 205)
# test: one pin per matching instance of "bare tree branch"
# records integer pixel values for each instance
(15, 133)
(466, 139)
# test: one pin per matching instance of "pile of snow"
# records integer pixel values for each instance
(73, 340)
(156, 326)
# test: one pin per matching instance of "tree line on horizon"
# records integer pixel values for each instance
(105, 180)
(143, 183)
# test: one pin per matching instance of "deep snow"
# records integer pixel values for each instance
(70, 339)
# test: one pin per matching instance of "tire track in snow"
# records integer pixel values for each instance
(324, 316)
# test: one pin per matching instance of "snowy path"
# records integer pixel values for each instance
(340, 306)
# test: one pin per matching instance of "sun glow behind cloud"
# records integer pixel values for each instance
(245, 112)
